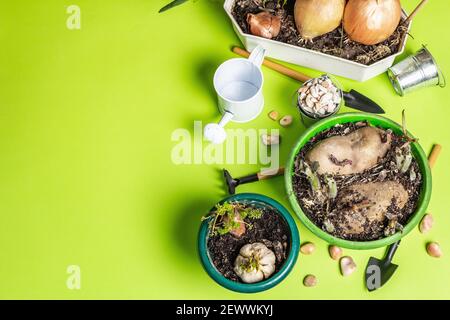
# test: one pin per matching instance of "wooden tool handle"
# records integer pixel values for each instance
(415, 11)
(269, 173)
(434, 154)
(275, 66)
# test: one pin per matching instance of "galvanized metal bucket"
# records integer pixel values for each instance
(416, 71)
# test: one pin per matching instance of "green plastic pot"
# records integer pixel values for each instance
(379, 121)
(259, 200)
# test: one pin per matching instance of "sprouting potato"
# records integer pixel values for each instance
(365, 203)
(352, 153)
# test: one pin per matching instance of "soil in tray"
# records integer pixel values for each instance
(334, 43)
(385, 170)
(270, 229)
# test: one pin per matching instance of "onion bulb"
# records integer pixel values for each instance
(316, 17)
(264, 24)
(371, 21)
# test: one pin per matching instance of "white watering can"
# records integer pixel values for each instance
(238, 83)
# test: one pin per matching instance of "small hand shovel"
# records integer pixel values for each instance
(378, 272)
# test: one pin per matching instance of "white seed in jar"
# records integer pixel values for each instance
(302, 89)
(331, 107)
(326, 98)
(309, 102)
(314, 92)
(336, 98)
(322, 89)
(308, 109)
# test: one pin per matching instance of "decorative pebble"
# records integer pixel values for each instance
(348, 266)
(270, 139)
(434, 250)
(426, 223)
(307, 248)
(274, 115)
(335, 252)
(310, 280)
(286, 121)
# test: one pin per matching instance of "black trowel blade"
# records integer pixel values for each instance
(378, 272)
(358, 101)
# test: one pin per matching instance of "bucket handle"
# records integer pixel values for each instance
(441, 78)
(257, 56)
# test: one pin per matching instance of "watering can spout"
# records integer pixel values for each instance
(215, 132)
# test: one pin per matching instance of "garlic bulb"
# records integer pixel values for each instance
(254, 263)
(314, 18)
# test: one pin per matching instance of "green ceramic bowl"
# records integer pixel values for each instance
(275, 278)
(380, 122)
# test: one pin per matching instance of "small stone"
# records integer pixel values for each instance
(426, 223)
(307, 248)
(270, 139)
(348, 266)
(274, 115)
(335, 252)
(286, 121)
(434, 250)
(310, 280)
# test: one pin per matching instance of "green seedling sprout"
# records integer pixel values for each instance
(228, 217)
(332, 187)
(310, 172)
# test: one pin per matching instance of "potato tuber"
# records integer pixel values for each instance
(352, 153)
(364, 203)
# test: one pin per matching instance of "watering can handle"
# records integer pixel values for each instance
(257, 56)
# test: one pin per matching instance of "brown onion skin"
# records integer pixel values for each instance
(264, 24)
(314, 18)
(371, 21)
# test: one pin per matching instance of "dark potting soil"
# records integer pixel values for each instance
(270, 229)
(385, 170)
(334, 43)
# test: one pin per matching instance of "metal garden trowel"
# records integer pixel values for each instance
(378, 272)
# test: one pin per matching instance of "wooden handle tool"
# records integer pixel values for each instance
(435, 151)
(275, 66)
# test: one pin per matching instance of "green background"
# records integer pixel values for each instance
(86, 176)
